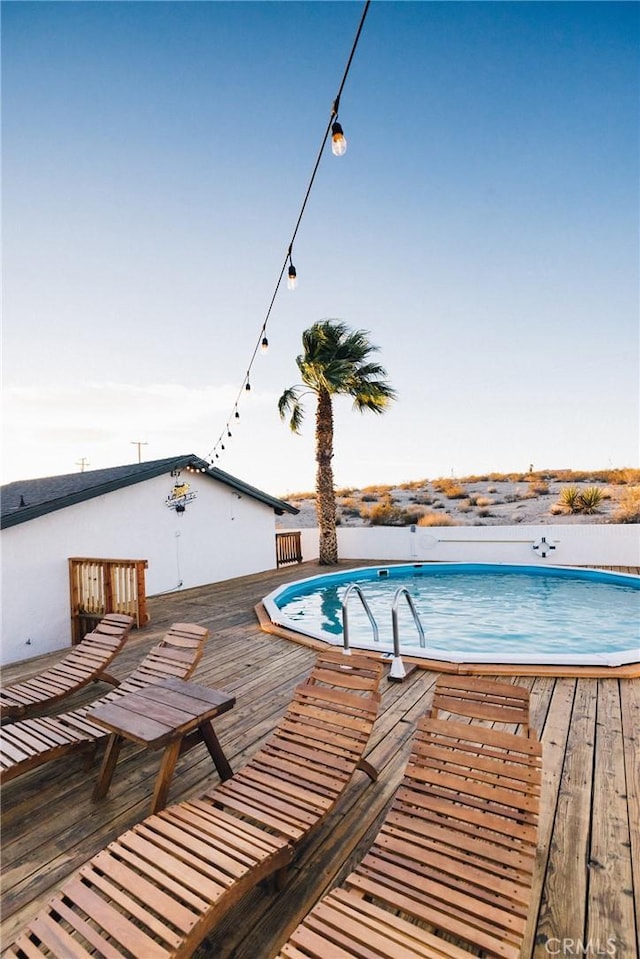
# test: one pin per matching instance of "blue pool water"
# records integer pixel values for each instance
(476, 612)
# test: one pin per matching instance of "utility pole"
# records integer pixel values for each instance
(82, 463)
(139, 444)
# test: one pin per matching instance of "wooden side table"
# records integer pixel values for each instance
(175, 716)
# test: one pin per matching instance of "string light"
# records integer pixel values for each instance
(292, 276)
(338, 147)
(338, 140)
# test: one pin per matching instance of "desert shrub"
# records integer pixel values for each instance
(557, 509)
(368, 498)
(349, 511)
(378, 490)
(484, 512)
(628, 510)
(349, 503)
(434, 519)
(425, 499)
(570, 499)
(511, 497)
(484, 501)
(492, 489)
(452, 490)
(347, 491)
(589, 499)
(539, 487)
(386, 514)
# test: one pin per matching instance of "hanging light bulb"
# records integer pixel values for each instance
(237, 415)
(264, 346)
(338, 140)
(248, 386)
(228, 432)
(292, 277)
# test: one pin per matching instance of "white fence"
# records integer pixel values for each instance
(590, 544)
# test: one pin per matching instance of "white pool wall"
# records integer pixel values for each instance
(595, 544)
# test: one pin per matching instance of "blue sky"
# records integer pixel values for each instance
(483, 226)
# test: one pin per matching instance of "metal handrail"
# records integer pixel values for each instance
(345, 619)
(397, 672)
(399, 593)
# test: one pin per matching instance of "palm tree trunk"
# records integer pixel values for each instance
(325, 494)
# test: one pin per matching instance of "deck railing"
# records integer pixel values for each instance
(288, 548)
(100, 586)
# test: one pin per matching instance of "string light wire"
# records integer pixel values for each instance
(244, 386)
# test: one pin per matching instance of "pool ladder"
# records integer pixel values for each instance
(397, 671)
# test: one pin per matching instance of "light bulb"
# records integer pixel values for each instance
(264, 346)
(338, 140)
(248, 386)
(292, 277)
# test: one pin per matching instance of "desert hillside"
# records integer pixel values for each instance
(499, 499)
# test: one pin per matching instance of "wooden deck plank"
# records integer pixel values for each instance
(563, 911)
(51, 828)
(610, 917)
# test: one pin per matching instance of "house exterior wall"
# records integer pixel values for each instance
(222, 534)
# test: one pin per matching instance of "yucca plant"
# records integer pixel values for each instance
(590, 498)
(570, 499)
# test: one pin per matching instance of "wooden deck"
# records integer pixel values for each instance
(587, 890)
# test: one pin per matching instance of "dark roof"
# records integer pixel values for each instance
(27, 499)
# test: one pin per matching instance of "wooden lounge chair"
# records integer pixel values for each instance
(32, 742)
(86, 663)
(482, 699)
(157, 890)
(454, 858)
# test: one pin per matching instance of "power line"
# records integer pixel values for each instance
(262, 341)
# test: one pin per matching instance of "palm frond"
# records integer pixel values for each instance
(289, 405)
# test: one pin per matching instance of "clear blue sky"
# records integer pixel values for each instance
(483, 226)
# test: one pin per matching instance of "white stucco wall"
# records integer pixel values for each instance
(594, 544)
(220, 535)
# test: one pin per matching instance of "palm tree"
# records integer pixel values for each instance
(335, 361)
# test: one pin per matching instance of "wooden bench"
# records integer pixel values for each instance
(451, 868)
(86, 663)
(32, 742)
(157, 890)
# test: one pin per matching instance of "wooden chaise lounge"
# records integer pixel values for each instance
(483, 699)
(451, 869)
(87, 662)
(28, 743)
(157, 890)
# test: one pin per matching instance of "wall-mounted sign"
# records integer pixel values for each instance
(180, 495)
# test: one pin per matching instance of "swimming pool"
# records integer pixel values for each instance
(474, 612)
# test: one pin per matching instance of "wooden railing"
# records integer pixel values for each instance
(288, 548)
(100, 586)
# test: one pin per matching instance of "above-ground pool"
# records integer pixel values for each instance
(473, 613)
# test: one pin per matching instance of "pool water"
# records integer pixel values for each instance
(476, 612)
